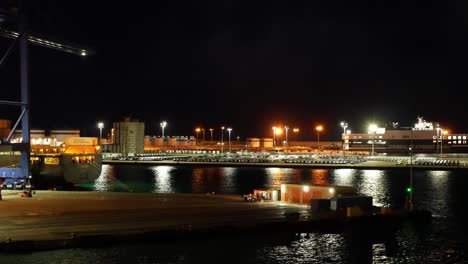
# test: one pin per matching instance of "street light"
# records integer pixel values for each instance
(222, 143)
(211, 132)
(100, 126)
(296, 131)
(439, 135)
(163, 124)
(443, 132)
(344, 125)
(197, 130)
(318, 128)
(229, 131)
(286, 128)
(274, 137)
(203, 134)
(411, 177)
(372, 129)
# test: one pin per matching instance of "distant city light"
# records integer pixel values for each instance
(372, 128)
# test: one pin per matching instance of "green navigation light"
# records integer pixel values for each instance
(408, 189)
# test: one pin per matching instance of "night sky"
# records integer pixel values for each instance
(246, 64)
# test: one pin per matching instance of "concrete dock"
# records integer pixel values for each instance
(62, 215)
(60, 219)
(362, 165)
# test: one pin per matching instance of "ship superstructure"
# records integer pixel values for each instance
(424, 137)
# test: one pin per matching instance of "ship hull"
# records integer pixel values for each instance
(403, 146)
(67, 171)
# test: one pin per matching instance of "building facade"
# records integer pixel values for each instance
(128, 137)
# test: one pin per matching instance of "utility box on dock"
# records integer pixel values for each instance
(363, 202)
(275, 195)
(385, 210)
(319, 205)
(353, 211)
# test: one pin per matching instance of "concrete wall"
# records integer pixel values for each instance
(301, 194)
(129, 137)
(313, 144)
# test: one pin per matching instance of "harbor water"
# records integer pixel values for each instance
(441, 241)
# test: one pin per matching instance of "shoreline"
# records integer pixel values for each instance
(361, 165)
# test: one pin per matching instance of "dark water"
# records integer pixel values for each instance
(442, 241)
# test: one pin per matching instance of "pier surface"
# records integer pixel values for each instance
(61, 215)
(61, 219)
(370, 164)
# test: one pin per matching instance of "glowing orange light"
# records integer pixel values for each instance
(279, 131)
(319, 128)
(296, 130)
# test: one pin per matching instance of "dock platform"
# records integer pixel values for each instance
(62, 219)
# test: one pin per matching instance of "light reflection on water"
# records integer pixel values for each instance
(436, 186)
(386, 187)
(374, 183)
(162, 179)
(320, 177)
(344, 176)
(277, 176)
(104, 182)
(307, 248)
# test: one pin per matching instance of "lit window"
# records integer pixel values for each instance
(459, 141)
(459, 137)
(449, 137)
(51, 161)
(464, 137)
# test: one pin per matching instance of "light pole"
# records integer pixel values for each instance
(222, 143)
(229, 131)
(286, 139)
(211, 139)
(437, 138)
(372, 130)
(296, 131)
(197, 130)
(163, 124)
(410, 190)
(344, 125)
(318, 128)
(442, 133)
(100, 126)
(274, 136)
(203, 134)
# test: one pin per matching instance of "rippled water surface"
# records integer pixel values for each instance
(442, 241)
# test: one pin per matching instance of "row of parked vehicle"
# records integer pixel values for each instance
(439, 162)
(323, 161)
(223, 159)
